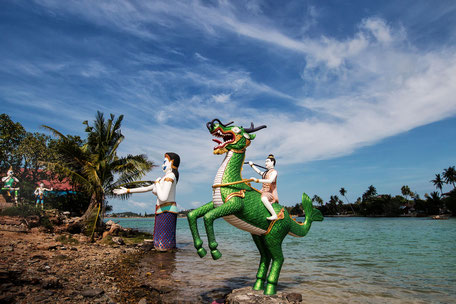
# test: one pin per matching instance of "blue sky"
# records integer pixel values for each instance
(353, 93)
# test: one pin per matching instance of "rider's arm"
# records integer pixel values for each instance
(257, 170)
(272, 177)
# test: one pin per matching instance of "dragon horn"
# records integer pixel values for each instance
(211, 123)
(253, 129)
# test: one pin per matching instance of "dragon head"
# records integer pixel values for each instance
(231, 137)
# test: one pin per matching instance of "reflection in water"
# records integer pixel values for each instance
(386, 260)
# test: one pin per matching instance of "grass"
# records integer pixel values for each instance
(66, 239)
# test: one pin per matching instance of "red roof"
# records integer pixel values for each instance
(52, 183)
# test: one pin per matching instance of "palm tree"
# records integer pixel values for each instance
(371, 191)
(94, 166)
(333, 201)
(438, 182)
(449, 175)
(318, 200)
(342, 192)
(405, 190)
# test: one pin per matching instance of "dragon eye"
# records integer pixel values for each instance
(236, 130)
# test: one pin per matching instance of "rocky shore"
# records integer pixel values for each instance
(39, 266)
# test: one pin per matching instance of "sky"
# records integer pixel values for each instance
(353, 93)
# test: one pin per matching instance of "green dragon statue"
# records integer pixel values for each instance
(240, 205)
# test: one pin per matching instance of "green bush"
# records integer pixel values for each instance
(46, 223)
(22, 210)
(73, 202)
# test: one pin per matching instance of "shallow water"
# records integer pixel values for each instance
(365, 260)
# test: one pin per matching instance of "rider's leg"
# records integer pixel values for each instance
(268, 206)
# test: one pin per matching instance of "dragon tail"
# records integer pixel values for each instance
(312, 214)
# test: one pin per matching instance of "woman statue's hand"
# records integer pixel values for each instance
(120, 191)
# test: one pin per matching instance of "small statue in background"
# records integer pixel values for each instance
(39, 193)
(9, 180)
(165, 209)
(269, 180)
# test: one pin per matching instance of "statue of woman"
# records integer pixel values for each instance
(9, 181)
(166, 209)
(39, 193)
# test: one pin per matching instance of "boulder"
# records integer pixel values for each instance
(247, 295)
(110, 223)
(115, 229)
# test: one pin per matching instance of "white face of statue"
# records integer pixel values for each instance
(41, 185)
(166, 165)
(269, 163)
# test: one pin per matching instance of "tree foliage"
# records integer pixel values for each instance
(94, 164)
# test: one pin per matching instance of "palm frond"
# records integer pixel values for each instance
(56, 133)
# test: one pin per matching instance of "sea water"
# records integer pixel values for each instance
(364, 260)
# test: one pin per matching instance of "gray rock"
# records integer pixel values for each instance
(248, 296)
(91, 293)
(143, 301)
(51, 283)
(294, 297)
(118, 240)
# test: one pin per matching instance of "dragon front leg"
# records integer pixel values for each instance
(192, 217)
(233, 206)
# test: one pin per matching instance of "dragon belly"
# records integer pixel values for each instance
(217, 200)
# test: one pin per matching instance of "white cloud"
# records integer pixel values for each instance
(137, 204)
(221, 98)
(196, 204)
(200, 57)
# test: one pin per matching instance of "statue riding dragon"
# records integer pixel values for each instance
(234, 199)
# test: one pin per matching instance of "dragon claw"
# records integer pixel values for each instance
(270, 289)
(201, 252)
(216, 254)
(259, 285)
